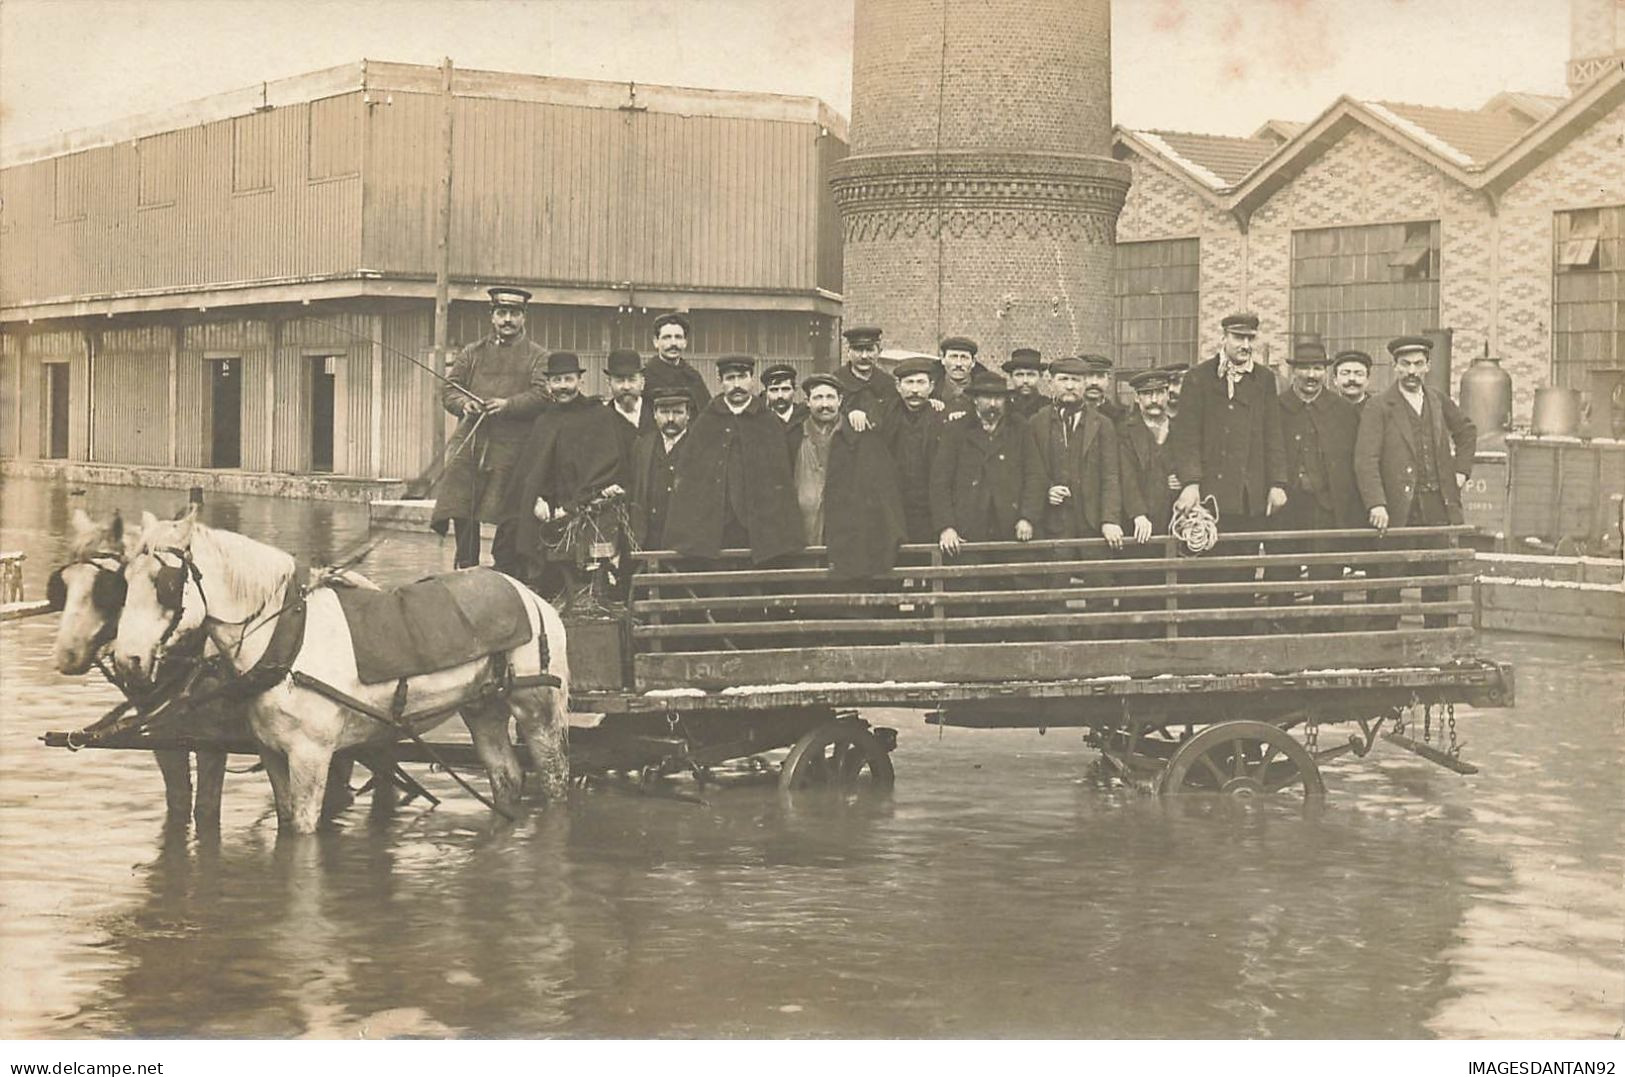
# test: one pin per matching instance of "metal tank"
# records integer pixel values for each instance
(1486, 397)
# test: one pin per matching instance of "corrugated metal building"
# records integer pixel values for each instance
(228, 284)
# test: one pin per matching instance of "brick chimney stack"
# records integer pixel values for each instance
(981, 197)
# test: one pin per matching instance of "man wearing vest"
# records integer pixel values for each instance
(1412, 456)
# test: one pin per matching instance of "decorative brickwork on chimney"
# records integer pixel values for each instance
(980, 197)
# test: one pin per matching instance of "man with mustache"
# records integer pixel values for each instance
(1026, 369)
(1351, 371)
(869, 392)
(733, 486)
(573, 455)
(911, 437)
(1074, 448)
(1098, 392)
(1148, 486)
(668, 369)
(1412, 455)
(1318, 429)
(846, 486)
(779, 395)
(624, 371)
(986, 484)
(958, 363)
(505, 370)
(654, 466)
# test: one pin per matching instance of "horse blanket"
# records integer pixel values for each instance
(433, 624)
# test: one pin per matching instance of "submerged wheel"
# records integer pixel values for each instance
(1243, 759)
(841, 754)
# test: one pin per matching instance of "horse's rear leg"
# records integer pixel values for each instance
(211, 784)
(176, 766)
(488, 727)
(338, 795)
(544, 723)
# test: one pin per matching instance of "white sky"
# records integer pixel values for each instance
(1222, 66)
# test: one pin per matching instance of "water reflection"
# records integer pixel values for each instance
(1003, 891)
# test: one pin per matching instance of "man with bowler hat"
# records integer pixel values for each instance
(496, 387)
(734, 487)
(668, 369)
(1412, 456)
(1026, 369)
(635, 417)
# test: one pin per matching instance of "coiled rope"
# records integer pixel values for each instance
(1197, 528)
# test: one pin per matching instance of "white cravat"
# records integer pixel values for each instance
(1233, 372)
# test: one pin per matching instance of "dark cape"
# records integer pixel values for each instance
(734, 470)
(573, 452)
(863, 511)
(659, 374)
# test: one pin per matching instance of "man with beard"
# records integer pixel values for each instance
(845, 486)
(668, 369)
(911, 437)
(1098, 392)
(779, 395)
(958, 363)
(505, 371)
(1074, 448)
(1351, 373)
(1176, 382)
(868, 392)
(1413, 454)
(1318, 428)
(986, 485)
(634, 418)
(573, 454)
(654, 466)
(733, 485)
(1026, 368)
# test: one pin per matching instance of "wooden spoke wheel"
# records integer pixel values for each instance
(1243, 760)
(842, 755)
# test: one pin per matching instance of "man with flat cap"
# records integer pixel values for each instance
(1099, 392)
(1176, 383)
(1318, 428)
(846, 487)
(1026, 369)
(734, 488)
(1148, 485)
(624, 370)
(986, 483)
(668, 369)
(1074, 448)
(958, 363)
(573, 454)
(1351, 373)
(911, 438)
(868, 392)
(496, 387)
(654, 466)
(779, 395)
(1413, 454)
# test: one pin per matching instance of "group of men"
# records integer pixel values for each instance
(944, 450)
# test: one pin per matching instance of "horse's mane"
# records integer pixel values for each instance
(243, 574)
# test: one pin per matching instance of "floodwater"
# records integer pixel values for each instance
(1003, 890)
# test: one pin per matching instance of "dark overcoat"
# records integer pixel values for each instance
(659, 374)
(911, 439)
(573, 452)
(629, 433)
(1028, 406)
(653, 475)
(863, 512)
(875, 397)
(1144, 468)
(479, 469)
(736, 465)
(1332, 423)
(1082, 458)
(981, 483)
(1385, 458)
(1232, 446)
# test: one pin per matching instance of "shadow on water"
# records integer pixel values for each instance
(1001, 891)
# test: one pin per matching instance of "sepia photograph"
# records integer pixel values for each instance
(894, 523)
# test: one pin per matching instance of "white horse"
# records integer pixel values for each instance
(186, 578)
(89, 590)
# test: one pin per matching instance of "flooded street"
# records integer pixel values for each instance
(1003, 891)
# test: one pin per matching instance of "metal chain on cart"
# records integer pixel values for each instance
(1311, 734)
(1450, 711)
(1427, 723)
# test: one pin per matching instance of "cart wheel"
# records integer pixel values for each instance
(1243, 759)
(839, 754)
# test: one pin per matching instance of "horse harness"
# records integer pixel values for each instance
(106, 593)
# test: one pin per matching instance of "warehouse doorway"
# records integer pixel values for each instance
(323, 386)
(58, 410)
(225, 413)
